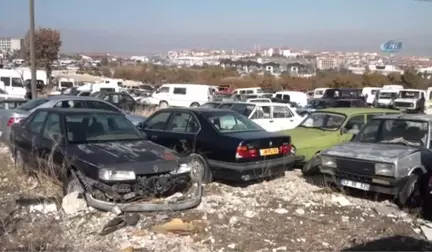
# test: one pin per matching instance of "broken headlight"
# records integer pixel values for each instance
(328, 161)
(183, 168)
(110, 175)
(384, 169)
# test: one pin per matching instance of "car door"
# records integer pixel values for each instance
(129, 102)
(262, 117)
(156, 126)
(283, 118)
(181, 132)
(27, 136)
(50, 146)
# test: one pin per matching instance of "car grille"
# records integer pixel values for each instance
(355, 167)
(403, 104)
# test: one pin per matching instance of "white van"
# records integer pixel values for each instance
(184, 95)
(318, 92)
(13, 82)
(428, 101)
(252, 90)
(293, 96)
(386, 96)
(407, 99)
(370, 93)
(398, 87)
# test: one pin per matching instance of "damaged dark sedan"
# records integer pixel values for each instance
(103, 156)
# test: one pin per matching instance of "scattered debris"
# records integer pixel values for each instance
(341, 200)
(249, 214)
(174, 226)
(427, 232)
(44, 208)
(281, 211)
(300, 211)
(72, 204)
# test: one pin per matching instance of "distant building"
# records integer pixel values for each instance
(329, 63)
(10, 44)
(380, 69)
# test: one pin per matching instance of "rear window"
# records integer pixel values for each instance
(226, 122)
(244, 109)
(32, 104)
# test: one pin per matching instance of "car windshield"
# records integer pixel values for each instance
(66, 84)
(96, 127)
(409, 94)
(32, 104)
(226, 122)
(324, 121)
(210, 105)
(394, 131)
(242, 108)
(388, 95)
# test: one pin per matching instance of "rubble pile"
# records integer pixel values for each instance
(278, 215)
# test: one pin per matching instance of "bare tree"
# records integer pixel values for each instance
(47, 47)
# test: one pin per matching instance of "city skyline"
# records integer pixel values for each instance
(140, 27)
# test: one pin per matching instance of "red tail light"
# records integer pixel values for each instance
(285, 149)
(245, 152)
(14, 120)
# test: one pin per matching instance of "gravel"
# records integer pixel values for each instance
(286, 213)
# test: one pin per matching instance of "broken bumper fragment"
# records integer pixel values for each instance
(159, 192)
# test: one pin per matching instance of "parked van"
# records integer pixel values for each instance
(407, 99)
(386, 97)
(428, 101)
(318, 92)
(293, 96)
(13, 82)
(370, 93)
(184, 95)
(253, 90)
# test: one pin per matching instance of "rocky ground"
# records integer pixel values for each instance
(286, 213)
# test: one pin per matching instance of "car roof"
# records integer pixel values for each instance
(198, 110)
(78, 110)
(353, 111)
(70, 98)
(420, 117)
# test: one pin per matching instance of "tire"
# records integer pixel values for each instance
(203, 170)
(72, 184)
(293, 150)
(312, 165)
(410, 193)
(194, 105)
(163, 104)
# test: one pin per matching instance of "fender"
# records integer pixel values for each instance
(418, 167)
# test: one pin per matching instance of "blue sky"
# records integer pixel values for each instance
(142, 26)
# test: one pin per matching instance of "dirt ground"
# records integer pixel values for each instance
(283, 214)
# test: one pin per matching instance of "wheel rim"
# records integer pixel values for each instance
(163, 105)
(197, 171)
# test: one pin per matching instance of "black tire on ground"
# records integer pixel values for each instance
(410, 193)
(163, 104)
(312, 165)
(199, 163)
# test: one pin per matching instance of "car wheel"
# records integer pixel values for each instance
(200, 168)
(293, 150)
(72, 184)
(410, 193)
(194, 105)
(163, 104)
(312, 165)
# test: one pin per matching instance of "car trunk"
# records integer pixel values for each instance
(261, 145)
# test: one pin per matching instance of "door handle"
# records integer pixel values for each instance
(292, 120)
(271, 121)
(153, 137)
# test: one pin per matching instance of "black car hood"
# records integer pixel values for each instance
(142, 157)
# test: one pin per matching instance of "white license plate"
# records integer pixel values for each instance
(354, 184)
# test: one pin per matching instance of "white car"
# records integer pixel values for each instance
(271, 116)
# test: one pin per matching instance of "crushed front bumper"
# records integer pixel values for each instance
(142, 196)
(248, 171)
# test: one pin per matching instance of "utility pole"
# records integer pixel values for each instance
(32, 51)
